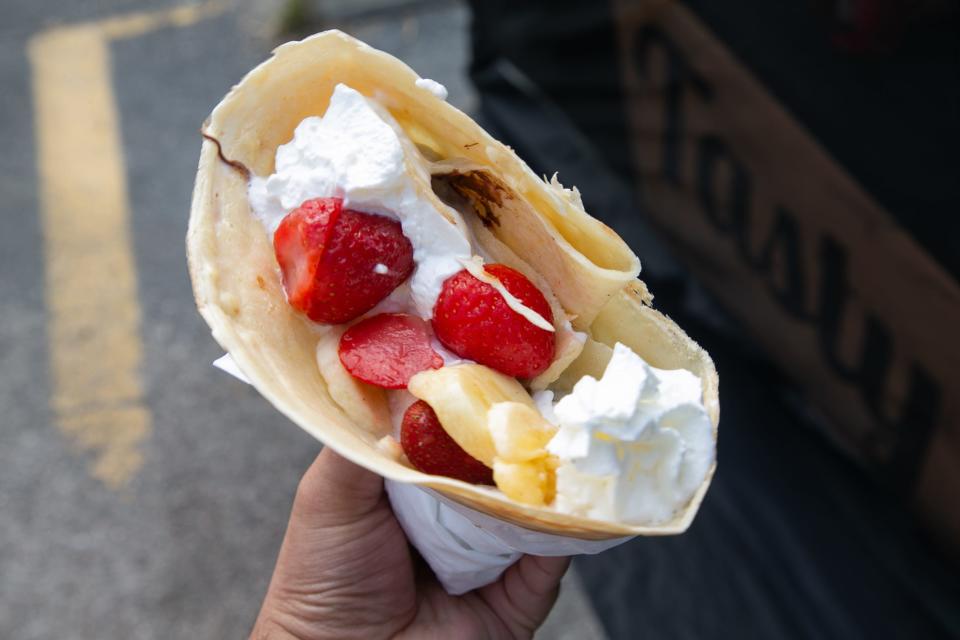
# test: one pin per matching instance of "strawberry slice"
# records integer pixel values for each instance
(338, 263)
(388, 349)
(431, 449)
(473, 320)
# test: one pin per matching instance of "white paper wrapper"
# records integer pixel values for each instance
(465, 548)
(468, 549)
(226, 363)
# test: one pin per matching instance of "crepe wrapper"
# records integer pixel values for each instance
(584, 265)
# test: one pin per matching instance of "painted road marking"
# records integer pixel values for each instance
(93, 308)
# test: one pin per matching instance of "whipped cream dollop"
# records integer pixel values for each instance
(433, 87)
(634, 445)
(358, 152)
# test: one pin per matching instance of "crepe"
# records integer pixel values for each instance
(536, 226)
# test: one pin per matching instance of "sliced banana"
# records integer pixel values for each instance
(519, 432)
(591, 361)
(362, 402)
(569, 346)
(532, 483)
(461, 395)
(522, 469)
(389, 446)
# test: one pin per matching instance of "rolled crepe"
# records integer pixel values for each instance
(536, 226)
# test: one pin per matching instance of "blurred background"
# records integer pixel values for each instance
(788, 173)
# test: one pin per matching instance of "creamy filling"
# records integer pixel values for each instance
(634, 445)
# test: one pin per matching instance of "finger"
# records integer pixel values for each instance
(335, 491)
(525, 594)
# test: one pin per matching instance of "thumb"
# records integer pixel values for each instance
(336, 504)
(334, 491)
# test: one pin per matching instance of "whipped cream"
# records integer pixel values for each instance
(358, 152)
(633, 446)
(433, 87)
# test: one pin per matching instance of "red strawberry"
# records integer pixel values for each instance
(473, 320)
(329, 257)
(432, 450)
(388, 349)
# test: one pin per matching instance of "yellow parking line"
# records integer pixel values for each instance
(135, 24)
(93, 308)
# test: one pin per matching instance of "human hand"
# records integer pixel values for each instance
(346, 570)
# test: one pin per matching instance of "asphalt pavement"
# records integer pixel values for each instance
(169, 530)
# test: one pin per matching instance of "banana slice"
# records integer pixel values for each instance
(461, 395)
(591, 361)
(363, 402)
(519, 432)
(532, 483)
(523, 469)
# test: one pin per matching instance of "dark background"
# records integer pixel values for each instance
(795, 539)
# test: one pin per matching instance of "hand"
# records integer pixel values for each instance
(346, 570)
